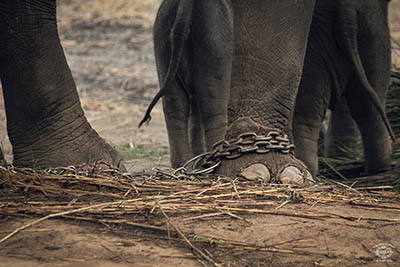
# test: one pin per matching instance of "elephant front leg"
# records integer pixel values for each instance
(45, 121)
(269, 45)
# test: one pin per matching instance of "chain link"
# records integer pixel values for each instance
(245, 143)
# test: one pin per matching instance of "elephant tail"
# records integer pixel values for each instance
(179, 34)
(349, 28)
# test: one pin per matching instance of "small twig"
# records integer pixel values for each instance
(333, 169)
(211, 188)
(314, 204)
(326, 245)
(134, 187)
(319, 216)
(198, 251)
(128, 192)
(375, 187)
(204, 216)
(283, 204)
(188, 256)
(234, 188)
(238, 217)
(346, 186)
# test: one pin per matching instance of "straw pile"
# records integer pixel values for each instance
(148, 200)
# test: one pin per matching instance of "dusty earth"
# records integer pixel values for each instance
(108, 44)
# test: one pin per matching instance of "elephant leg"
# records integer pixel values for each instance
(343, 136)
(321, 140)
(177, 99)
(196, 129)
(270, 42)
(366, 39)
(306, 142)
(176, 112)
(212, 50)
(375, 137)
(45, 121)
(373, 72)
(311, 104)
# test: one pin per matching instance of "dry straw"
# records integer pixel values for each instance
(117, 199)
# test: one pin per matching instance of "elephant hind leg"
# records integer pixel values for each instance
(212, 51)
(176, 112)
(196, 129)
(343, 137)
(375, 137)
(311, 104)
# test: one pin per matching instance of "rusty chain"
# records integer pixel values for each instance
(245, 143)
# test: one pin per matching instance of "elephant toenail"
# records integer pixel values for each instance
(292, 175)
(256, 172)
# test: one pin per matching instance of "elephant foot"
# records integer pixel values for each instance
(260, 154)
(269, 168)
(61, 150)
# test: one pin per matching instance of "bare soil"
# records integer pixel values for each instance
(332, 242)
(108, 44)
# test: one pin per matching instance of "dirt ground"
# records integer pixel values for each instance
(108, 44)
(329, 242)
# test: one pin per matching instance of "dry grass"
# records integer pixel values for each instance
(149, 200)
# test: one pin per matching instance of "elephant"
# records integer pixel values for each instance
(220, 81)
(231, 70)
(45, 121)
(348, 57)
(195, 113)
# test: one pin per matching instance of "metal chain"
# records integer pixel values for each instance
(205, 163)
(234, 148)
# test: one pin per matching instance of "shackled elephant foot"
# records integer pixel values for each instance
(258, 153)
(271, 168)
(55, 150)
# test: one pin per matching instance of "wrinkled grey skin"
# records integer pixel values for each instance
(348, 53)
(45, 121)
(253, 72)
(198, 51)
